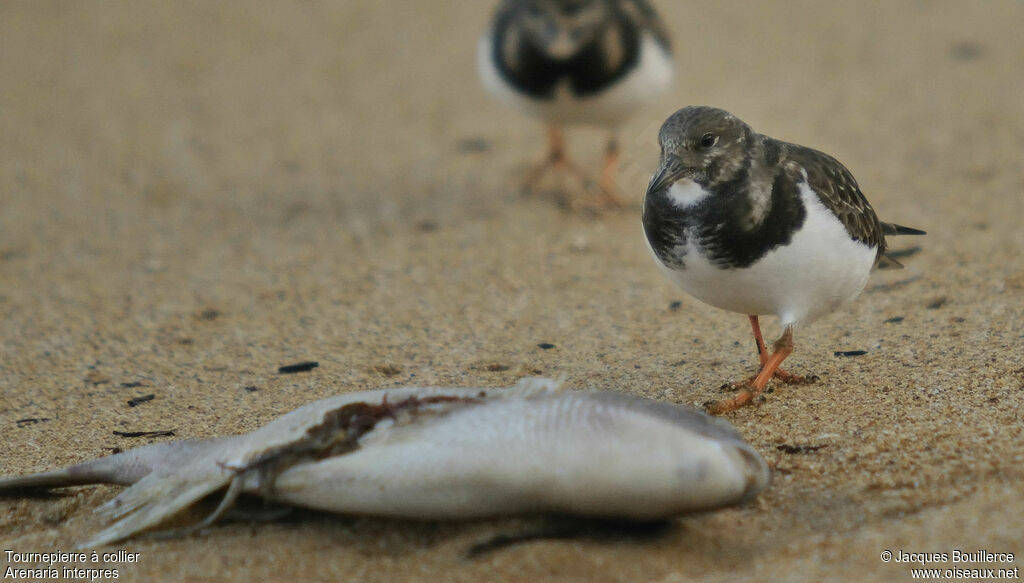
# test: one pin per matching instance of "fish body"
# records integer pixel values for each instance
(440, 453)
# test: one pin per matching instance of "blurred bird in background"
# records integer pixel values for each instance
(576, 62)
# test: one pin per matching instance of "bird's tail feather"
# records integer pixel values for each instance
(894, 229)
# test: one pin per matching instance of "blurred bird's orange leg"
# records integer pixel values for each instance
(556, 146)
(609, 191)
(556, 157)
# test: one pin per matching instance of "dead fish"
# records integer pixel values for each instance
(440, 453)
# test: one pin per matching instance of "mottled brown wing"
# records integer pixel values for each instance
(838, 190)
(643, 14)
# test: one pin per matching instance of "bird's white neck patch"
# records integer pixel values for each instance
(685, 193)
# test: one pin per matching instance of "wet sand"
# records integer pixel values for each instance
(193, 195)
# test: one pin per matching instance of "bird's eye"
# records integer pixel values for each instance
(707, 140)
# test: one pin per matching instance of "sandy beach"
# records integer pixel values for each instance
(194, 194)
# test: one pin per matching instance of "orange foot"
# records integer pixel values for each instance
(748, 394)
(752, 389)
(782, 375)
(740, 399)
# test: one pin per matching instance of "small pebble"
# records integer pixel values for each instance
(298, 367)
(139, 400)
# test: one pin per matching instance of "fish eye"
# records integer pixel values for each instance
(707, 140)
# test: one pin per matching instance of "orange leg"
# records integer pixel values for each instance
(556, 146)
(783, 347)
(762, 355)
(556, 158)
(762, 352)
(609, 191)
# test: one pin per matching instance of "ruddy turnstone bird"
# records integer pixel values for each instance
(754, 225)
(588, 62)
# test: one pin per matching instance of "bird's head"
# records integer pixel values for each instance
(703, 144)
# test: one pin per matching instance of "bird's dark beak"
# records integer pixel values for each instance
(670, 170)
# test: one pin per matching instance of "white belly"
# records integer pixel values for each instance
(821, 269)
(644, 84)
